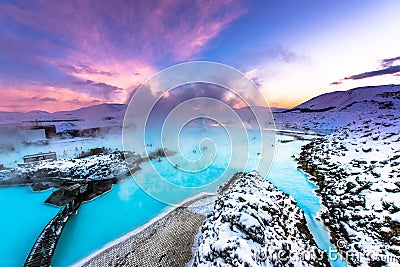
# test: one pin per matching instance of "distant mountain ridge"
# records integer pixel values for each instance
(354, 100)
(93, 113)
(97, 112)
(357, 99)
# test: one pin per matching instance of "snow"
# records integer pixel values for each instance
(255, 224)
(349, 106)
(357, 169)
(356, 165)
(67, 126)
(357, 99)
(103, 115)
(93, 167)
(203, 206)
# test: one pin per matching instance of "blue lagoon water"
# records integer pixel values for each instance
(23, 217)
(285, 175)
(127, 207)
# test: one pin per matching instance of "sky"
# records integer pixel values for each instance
(64, 55)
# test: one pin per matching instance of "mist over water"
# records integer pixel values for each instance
(195, 107)
(211, 127)
(127, 206)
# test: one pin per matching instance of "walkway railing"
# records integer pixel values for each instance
(43, 250)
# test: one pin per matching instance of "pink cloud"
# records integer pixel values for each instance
(187, 34)
(45, 98)
(148, 30)
(116, 45)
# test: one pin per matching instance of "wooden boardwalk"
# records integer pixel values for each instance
(42, 251)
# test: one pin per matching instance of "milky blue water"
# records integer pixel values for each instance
(285, 175)
(23, 215)
(127, 206)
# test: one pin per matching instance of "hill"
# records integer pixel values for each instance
(357, 99)
(329, 112)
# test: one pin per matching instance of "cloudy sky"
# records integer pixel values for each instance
(60, 55)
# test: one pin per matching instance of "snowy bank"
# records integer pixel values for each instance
(255, 224)
(357, 170)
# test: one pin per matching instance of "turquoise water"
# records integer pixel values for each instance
(285, 175)
(105, 219)
(23, 217)
(127, 206)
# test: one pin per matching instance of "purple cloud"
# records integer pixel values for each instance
(100, 89)
(75, 101)
(335, 83)
(114, 28)
(48, 99)
(369, 74)
(82, 68)
(389, 62)
(280, 53)
(387, 68)
(276, 52)
(54, 43)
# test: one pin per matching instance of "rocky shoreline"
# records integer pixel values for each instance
(98, 163)
(178, 237)
(255, 224)
(52, 173)
(356, 170)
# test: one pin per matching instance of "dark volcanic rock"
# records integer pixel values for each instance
(255, 224)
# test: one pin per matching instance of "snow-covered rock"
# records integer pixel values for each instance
(357, 169)
(111, 165)
(255, 224)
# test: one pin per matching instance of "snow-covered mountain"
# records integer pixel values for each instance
(103, 115)
(97, 112)
(357, 99)
(329, 112)
(91, 113)
(323, 114)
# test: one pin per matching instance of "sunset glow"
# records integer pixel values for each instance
(67, 55)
